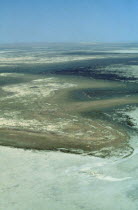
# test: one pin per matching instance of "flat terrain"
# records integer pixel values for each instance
(69, 126)
(50, 102)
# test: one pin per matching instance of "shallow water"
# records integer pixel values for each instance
(43, 114)
(73, 98)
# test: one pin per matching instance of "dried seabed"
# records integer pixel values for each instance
(39, 113)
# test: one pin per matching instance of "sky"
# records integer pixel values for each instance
(68, 21)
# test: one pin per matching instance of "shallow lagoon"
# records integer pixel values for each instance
(79, 99)
(43, 114)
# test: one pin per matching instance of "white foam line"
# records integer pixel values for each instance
(106, 178)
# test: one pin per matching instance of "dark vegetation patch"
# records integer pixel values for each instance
(95, 72)
(90, 68)
(94, 68)
(85, 53)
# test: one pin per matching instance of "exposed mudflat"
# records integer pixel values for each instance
(66, 109)
(40, 114)
(72, 98)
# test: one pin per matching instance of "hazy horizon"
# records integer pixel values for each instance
(100, 21)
